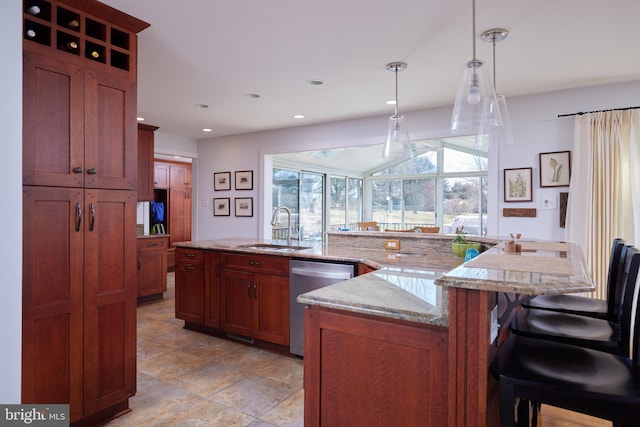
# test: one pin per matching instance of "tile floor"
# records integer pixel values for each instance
(186, 378)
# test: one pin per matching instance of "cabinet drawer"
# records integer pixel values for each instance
(189, 256)
(152, 243)
(278, 265)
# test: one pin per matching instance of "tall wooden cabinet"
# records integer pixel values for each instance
(145, 161)
(79, 205)
(172, 182)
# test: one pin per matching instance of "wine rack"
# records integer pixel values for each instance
(62, 27)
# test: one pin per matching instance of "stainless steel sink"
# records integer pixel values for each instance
(274, 247)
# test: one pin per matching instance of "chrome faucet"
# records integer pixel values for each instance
(289, 230)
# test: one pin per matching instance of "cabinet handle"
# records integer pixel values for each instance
(77, 169)
(255, 291)
(92, 171)
(249, 290)
(139, 263)
(189, 267)
(93, 216)
(189, 255)
(254, 263)
(78, 216)
(150, 245)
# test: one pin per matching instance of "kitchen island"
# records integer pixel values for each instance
(412, 341)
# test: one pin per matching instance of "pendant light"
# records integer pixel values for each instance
(397, 134)
(475, 94)
(499, 134)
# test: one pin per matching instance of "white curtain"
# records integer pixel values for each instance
(604, 193)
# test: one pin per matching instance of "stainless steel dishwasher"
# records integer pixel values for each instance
(306, 276)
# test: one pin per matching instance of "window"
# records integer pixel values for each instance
(303, 193)
(345, 196)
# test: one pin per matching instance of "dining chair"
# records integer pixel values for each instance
(427, 229)
(584, 306)
(584, 331)
(365, 225)
(579, 379)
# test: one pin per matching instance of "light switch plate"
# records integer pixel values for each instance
(392, 244)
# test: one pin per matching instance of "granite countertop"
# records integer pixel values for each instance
(411, 284)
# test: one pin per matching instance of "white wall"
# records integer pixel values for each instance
(11, 178)
(174, 145)
(536, 129)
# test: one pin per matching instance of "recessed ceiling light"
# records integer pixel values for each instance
(206, 130)
(298, 116)
(315, 82)
(203, 106)
(252, 95)
(140, 119)
(391, 102)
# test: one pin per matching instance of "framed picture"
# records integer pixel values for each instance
(517, 185)
(222, 181)
(221, 207)
(555, 169)
(244, 206)
(244, 180)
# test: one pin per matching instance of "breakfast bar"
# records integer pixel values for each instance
(414, 345)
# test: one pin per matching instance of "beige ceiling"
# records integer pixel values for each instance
(214, 52)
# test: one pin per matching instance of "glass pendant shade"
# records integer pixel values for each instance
(397, 141)
(493, 131)
(476, 105)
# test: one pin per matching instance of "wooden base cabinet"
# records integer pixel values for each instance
(152, 268)
(255, 296)
(362, 371)
(190, 275)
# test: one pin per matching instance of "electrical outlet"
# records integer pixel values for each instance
(392, 244)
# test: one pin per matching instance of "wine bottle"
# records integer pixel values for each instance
(70, 46)
(31, 33)
(95, 54)
(33, 10)
(73, 24)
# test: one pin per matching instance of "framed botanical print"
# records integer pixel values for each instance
(244, 206)
(222, 181)
(244, 180)
(221, 207)
(555, 169)
(517, 185)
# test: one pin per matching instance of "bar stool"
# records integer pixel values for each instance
(584, 331)
(591, 307)
(579, 379)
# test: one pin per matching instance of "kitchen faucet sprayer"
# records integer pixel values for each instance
(289, 230)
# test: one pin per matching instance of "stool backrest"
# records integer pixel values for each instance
(614, 279)
(629, 326)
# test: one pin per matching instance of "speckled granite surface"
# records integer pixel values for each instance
(411, 282)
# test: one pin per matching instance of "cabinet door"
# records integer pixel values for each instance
(52, 297)
(190, 292)
(236, 302)
(53, 122)
(111, 133)
(145, 162)
(180, 176)
(271, 308)
(212, 290)
(109, 298)
(179, 215)
(160, 175)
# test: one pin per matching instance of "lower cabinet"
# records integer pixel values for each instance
(373, 372)
(255, 305)
(152, 267)
(189, 274)
(243, 294)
